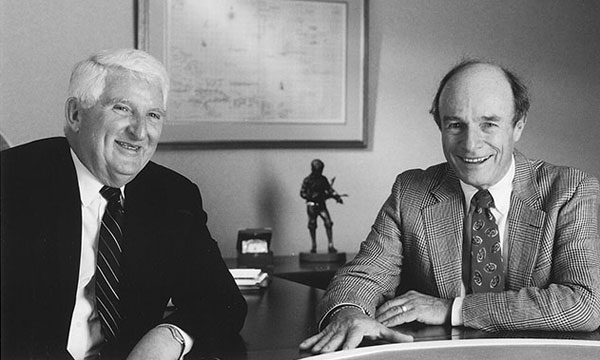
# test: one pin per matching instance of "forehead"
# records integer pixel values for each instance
(124, 86)
(480, 89)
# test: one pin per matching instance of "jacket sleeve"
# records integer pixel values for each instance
(209, 304)
(374, 273)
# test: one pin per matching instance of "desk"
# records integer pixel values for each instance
(289, 267)
(476, 349)
(282, 315)
(279, 318)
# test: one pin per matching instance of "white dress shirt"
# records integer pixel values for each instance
(85, 335)
(501, 192)
(85, 332)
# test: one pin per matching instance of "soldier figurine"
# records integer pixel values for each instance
(316, 189)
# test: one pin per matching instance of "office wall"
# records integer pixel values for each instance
(553, 44)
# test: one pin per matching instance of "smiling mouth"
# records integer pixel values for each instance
(128, 146)
(477, 160)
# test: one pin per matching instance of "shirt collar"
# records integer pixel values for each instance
(89, 186)
(500, 191)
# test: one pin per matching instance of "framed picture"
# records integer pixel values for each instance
(288, 73)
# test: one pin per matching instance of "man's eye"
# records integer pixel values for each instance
(454, 125)
(156, 116)
(121, 108)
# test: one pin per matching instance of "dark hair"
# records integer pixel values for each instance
(519, 90)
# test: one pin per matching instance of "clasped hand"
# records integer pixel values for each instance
(349, 326)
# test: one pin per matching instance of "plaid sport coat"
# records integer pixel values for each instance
(553, 267)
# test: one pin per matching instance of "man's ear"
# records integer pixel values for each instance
(518, 130)
(73, 114)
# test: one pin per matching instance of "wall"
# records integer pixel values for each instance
(553, 44)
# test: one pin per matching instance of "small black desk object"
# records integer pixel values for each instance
(254, 248)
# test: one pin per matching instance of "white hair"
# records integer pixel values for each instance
(88, 78)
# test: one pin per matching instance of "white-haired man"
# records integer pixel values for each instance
(96, 238)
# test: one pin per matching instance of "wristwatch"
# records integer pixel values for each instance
(176, 336)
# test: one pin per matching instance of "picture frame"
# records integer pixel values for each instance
(260, 73)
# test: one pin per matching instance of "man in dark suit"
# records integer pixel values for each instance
(425, 260)
(61, 297)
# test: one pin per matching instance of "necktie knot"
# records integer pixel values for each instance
(111, 194)
(483, 199)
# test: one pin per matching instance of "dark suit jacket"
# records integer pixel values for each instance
(553, 269)
(169, 253)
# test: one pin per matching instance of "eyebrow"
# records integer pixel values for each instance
(110, 101)
(492, 118)
(451, 118)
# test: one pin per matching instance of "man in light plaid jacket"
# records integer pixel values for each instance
(410, 267)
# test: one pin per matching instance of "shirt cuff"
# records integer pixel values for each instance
(188, 340)
(457, 315)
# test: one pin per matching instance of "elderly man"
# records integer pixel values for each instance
(96, 238)
(489, 240)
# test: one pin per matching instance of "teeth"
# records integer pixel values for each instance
(475, 160)
(127, 146)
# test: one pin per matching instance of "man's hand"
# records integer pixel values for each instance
(347, 329)
(414, 306)
(157, 344)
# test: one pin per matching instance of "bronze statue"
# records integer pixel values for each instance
(316, 190)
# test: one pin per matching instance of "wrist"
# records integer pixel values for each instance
(336, 311)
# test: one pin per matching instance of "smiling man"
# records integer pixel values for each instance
(96, 238)
(489, 240)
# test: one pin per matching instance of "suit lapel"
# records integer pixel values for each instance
(144, 214)
(525, 220)
(443, 226)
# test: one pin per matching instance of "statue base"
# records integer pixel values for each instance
(308, 257)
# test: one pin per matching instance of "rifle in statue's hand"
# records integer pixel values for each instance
(334, 194)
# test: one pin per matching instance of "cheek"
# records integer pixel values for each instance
(448, 143)
(154, 131)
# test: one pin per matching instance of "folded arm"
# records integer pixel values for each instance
(563, 291)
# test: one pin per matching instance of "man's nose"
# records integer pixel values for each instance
(138, 127)
(472, 138)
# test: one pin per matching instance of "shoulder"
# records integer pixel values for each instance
(166, 184)
(161, 175)
(555, 183)
(559, 174)
(36, 161)
(38, 150)
(416, 188)
(423, 180)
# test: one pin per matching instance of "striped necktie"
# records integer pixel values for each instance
(108, 268)
(487, 269)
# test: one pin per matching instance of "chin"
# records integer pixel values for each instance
(474, 181)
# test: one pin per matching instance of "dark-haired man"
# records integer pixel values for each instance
(489, 240)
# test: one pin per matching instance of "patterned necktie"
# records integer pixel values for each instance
(487, 269)
(108, 269)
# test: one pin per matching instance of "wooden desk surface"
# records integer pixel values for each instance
(282, 315)
(279, 318)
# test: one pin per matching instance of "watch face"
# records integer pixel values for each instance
(255, 246)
